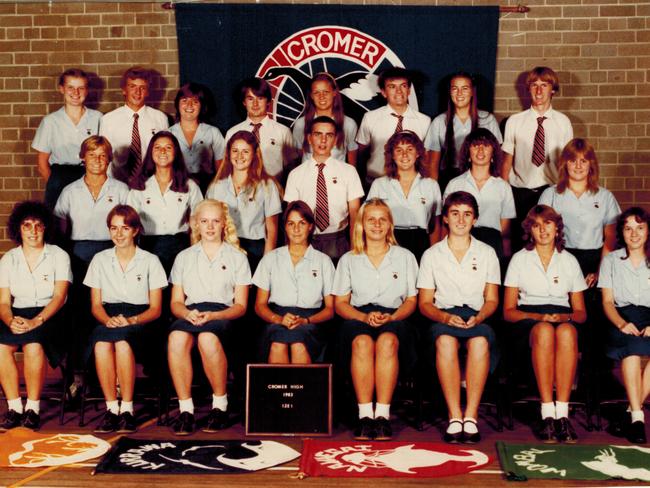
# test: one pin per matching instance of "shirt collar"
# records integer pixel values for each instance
(263, 121)
(548, 114)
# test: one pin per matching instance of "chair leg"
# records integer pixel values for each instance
(64, 393)
(83, 392)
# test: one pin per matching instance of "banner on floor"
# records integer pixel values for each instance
(578, 462)
(24, 448)
(388, 459)
(141, 456)
(219, 45)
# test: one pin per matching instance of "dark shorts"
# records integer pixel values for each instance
(48, 334)
(438, 329)
(415, 240)
(521, 330)
(137, 335)
(334, 244)
(621, 345)
(307, 334)
(403, 329)
(166, 247)
(220, 328)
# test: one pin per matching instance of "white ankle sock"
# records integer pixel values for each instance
(561, 410)
(126, 407)
(34, 405)
(220, 402)
(186, 405)
(382, 410)
(113, 406)
(365, 410)
(469, 425)
(637, 416)
(548, 410)
(16, 405)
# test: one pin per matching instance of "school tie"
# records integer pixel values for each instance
(135, 151)
(539, 155)
(400, 118)
(321, 212)
(256, 130)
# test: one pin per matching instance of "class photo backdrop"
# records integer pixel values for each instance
(220, 45)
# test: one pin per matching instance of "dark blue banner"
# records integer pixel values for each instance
(220, 45)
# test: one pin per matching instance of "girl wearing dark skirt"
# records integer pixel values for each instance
(414, 198)
(544, 299)
(624, 279)
(126, 285)
(34, 280)
(374, 289)
(294, 291)
(210, 289)
(459, 282)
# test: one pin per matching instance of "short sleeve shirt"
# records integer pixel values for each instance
(540, 287)
(143, 274)
(412, 211)
(630, 285)
(387, 286)
(435, 139)
(214, 281)
(207, 147)
(584, 217)
(303, 285)
(459, 284)
(34, 288)
(249, 208)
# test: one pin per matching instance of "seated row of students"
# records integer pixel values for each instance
(374, 290)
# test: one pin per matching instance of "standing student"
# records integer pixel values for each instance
(163, 195)
(482, 157)
(294, 292)
(325, 99)
(130, 128)
(397, 115)
(458, 286)
(543, 299)
(330, 187)
(210, 289)
(532, 144)
(414, 198)
(202, 144)
(126, 285)
(60, 134)
(34, 279)
(449, 129)
(252, 196)
(624, 279)
(588, 210)
(276, 141)
(374, 292)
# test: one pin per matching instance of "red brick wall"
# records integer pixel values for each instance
(601, 50)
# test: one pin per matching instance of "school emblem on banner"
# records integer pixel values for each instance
(141, 456)
(583, 462)
(387, 459)
(25, 448)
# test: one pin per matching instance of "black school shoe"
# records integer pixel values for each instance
(636, 432)
(545, 430)
(456, 437)
(383, 430)
(127, 424)
(471, 438)
(217, 420)
(365, 430)
(11, 420)
(564, 431)
(109, 423)
(184, 424)
(31, 420)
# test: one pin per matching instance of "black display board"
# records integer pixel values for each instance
(289, 399)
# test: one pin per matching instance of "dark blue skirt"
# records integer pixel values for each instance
(438, 329)
(307, 334)
(403, 329)
(135, 335)
(220, 328)
(48, 334)
(621, 345)
(521, 330)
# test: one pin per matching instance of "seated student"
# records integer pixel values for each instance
(330, 187)
(34, 279)
(448, 130)
(294, 291)
(201, 143)
(625, 282)
(164, 195)
(397, 115)
(325, 100)
(210, 289)
(481, 158)
(126, 285)
(414, 198)
(374, 288)
(276, 141)
(459, 282)
(252, 196)
(543, 298)
(60, 134)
